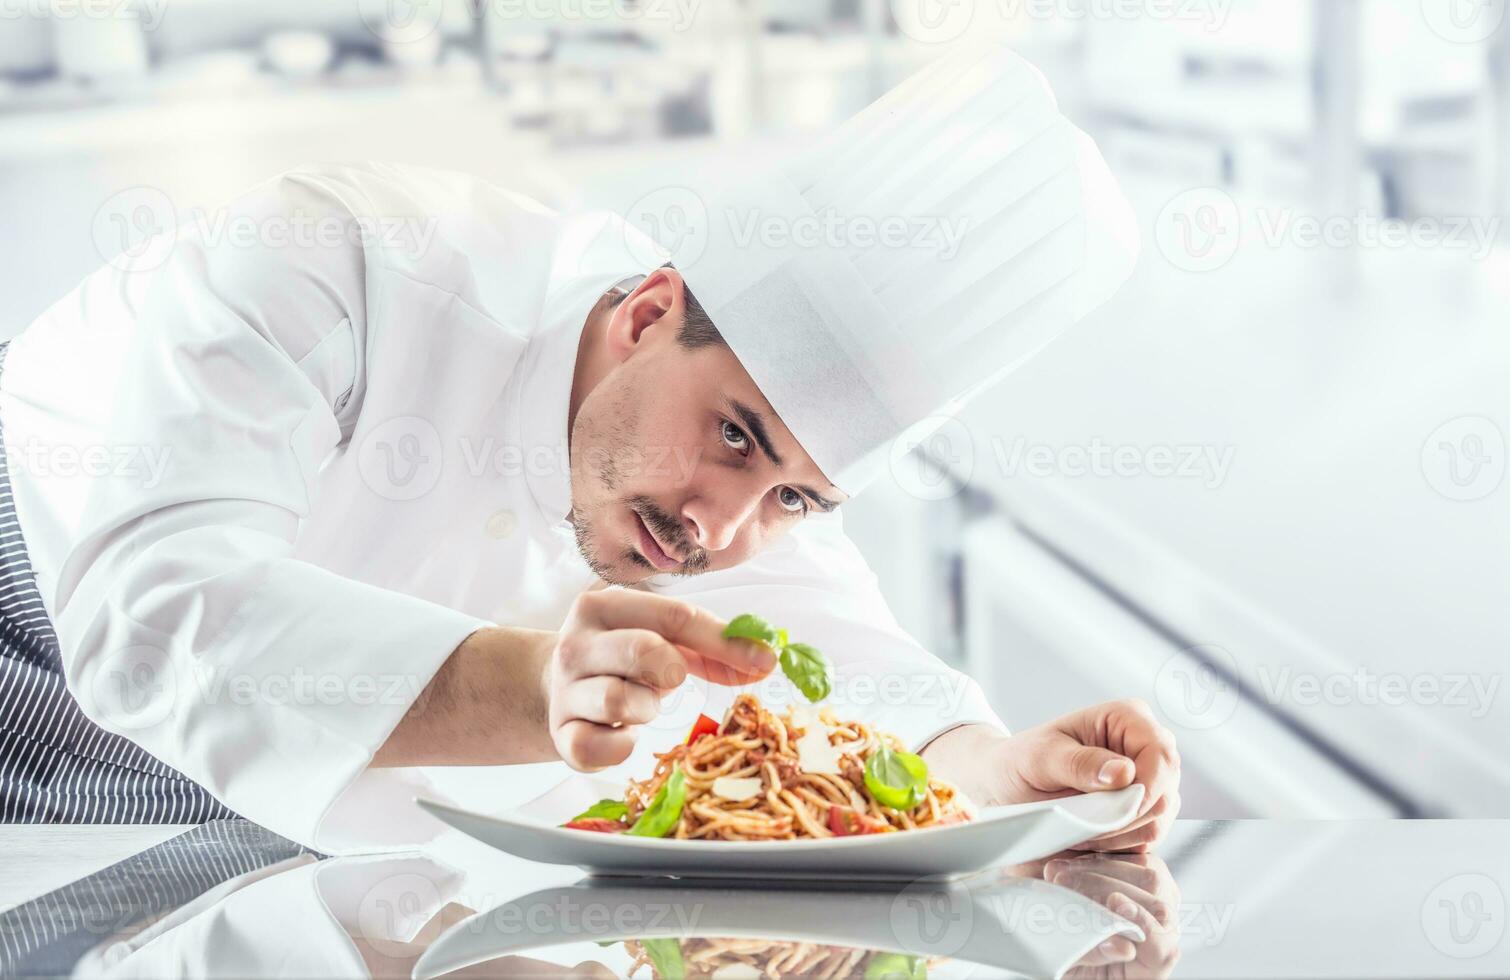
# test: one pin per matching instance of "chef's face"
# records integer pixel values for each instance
(678, 463)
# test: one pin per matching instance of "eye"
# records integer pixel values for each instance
(791, 500)
(734, 437)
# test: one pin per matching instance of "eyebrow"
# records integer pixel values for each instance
(755, 422)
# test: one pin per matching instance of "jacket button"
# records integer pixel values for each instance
(502, 524)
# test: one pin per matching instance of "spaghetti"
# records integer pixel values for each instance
(792, 802)
(700, 959)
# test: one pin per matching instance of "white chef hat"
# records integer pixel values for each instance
(916, 255)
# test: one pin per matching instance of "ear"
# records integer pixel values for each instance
(653, 311)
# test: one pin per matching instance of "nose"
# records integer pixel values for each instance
(716, 516)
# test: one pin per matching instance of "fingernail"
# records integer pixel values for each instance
(1109, 948)
(1108, 774)
(1126, 909)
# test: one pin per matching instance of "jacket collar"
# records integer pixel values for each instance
(547, 368)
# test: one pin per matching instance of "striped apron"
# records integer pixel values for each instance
(57, 766)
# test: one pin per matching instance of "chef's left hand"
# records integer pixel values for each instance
(1104, 747)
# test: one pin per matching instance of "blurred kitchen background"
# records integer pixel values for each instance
(1264, 489)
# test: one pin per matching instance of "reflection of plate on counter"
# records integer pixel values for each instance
(999, 835)
(1019, 925)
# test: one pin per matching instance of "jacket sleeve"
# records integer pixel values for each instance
(815, 583)
(210, 389)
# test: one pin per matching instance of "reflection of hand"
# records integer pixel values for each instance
(1140, 889)
(395, 959)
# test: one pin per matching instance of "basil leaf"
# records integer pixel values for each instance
(660, 817)
(747, 626)
(666, 957)
(808, 669)
(605, 809)
(896, 966)
(896, 779)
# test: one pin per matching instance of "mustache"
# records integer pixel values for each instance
(671, 531)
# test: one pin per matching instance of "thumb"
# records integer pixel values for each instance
(1090, 769)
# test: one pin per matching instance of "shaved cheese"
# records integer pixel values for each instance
(816, 754)
(858, 802)
(737, 790)
(735, 971)
(805, 717)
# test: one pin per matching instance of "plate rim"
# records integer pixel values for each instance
(676, 845)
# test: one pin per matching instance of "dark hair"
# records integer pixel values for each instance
(697, 330)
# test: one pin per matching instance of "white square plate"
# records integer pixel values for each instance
(999, 835)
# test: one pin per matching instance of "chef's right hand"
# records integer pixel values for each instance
(618, 654)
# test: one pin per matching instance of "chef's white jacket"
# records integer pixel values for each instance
(271, 472)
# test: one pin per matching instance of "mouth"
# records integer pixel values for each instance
(651, 548)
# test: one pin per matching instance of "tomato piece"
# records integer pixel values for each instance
(703, 726)
(600, 825)
(845, 822)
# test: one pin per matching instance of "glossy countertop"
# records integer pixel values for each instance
(1245, 899)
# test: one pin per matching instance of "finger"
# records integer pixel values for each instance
(1140, 840)
(1085, 768)
(610, 701)
(1106, 889)
(1131, 729)
(587, 747)
(686, 625)
(1129, 869)
(1117, 949)
(637, 655)
(1158, 765)
(1125, 907)
(1161, 813)
(1137, 824)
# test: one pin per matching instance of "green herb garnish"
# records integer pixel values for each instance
(604, 810)
(804, 665)
(896, 779)
(666, 956)
(896, 966)
(660, 817)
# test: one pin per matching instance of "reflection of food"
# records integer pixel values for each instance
(760, 777)
(747, 959)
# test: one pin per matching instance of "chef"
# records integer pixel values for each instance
(420, 473)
